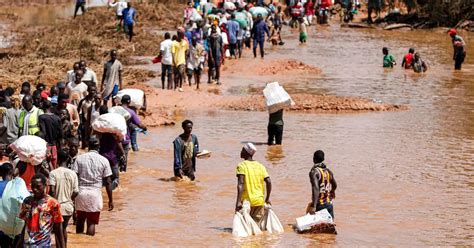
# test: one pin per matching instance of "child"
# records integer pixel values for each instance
(388, 59)
(303, 31)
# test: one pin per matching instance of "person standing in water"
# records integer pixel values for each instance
(252, 182)
(323, 185)
(186, 147)
(418, 64)
(407, 60)
(388, 59)
(459, 46)
(275, 128)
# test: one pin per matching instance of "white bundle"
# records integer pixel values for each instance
(30, 149)
(306, 222)
(229, 6)
(111, 123)
(121, 111)
(276, 97)
(270, 222)
(254, 228)
(137, 96)
(240, 229)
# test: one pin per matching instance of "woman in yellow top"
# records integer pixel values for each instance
(252, 180)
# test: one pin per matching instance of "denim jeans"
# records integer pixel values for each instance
(133, 138)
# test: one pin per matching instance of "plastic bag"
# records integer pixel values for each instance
(240, 228)
(254, 229)
(306, 222)
(137, 96)
(30, 149)
(10, 204)
(270, 222)
(121, 111)
(276, 97)
(111, 123)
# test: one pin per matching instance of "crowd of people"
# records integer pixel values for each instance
(81, 161)
(69, 181)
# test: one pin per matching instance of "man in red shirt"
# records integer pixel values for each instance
(406, 63)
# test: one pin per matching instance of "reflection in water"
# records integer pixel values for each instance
(405, 178)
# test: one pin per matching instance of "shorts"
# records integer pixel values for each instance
(257, 213)
(191, 72)
(113, 94)
(91, 217)
(303, 36)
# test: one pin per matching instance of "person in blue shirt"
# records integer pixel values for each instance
(80, 4)
(129, 19)
(259, 30)
(6, 172)
(233, 29)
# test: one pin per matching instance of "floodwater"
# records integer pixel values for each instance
(404, 178)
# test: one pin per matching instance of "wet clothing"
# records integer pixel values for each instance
(325, 178)
(459, 51)
(185, 152)
(91, 169)
(388, 61)
(275, 127)
(419, 65)
(254, 181)
(40, 217)
(408, 59)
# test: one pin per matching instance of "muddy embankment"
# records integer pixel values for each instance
(43, 53)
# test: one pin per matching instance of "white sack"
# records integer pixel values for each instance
(121, 111)
(240, 228)
(229, 6)
(270, 222)
(111, 123)
(254, 228)
(306, 222)
(137, 96)
(30, 149)
(276, 97)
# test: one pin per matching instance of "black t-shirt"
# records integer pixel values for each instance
(50, 126)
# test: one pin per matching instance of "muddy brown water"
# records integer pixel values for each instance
(405, 178)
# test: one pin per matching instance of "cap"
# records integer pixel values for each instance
(126, 99)
(452, 31)
(250, 148)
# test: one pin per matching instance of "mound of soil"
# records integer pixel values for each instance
(45, 53)
(287, 67)
(313, 103)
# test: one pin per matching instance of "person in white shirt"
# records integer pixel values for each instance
(70, 74)
(166, 61)
(120, 5)
(77, 89)
(89, 77)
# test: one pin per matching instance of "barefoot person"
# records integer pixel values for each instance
(92, 170)
(42, 215)
(64, 186)
(323, 185)
(178, 49)
(111, 78)
(252, 182)
(186, 147)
